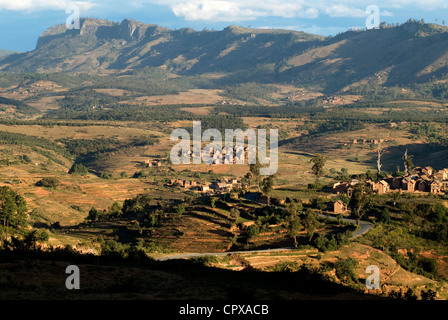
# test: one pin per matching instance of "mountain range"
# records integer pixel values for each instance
(390, 55)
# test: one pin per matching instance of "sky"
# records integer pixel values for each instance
(22, 21)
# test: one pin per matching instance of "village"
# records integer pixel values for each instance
(226, 184)
(419, 181)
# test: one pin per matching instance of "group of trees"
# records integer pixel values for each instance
(250, 92)
(292, 110)
(264, 184)
(96, 215)
(32, 141)
(19, 106)
(139, 113)
(299, 220)
(220, 123)
(430, 91)
(436, 136)
(79, 169)
(13, 212)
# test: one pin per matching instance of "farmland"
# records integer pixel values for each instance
(86, 171)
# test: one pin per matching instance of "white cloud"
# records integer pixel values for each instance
(386, 13)
(239, 10)
(36, 5)
(243, 10)
(340, 10)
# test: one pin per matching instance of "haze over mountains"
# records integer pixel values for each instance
(392, 55)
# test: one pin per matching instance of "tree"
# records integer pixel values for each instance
(180, 210)
(318, 166)
(115, 209)
(254, 170)
(12, 210)
(428, 295)
(320, 204)
(48, 182)
(294, 208)
(106, 175)
(252, 231)
(384, 216)
(345, 270)
(408, 164)
(310, 222)
(294, 229)
(93, 215)
(33, 237)
(410, 295)
(267, 185)
(234, 213)
(380, 151)
(78, 168)
(249, 177)
(360, 197)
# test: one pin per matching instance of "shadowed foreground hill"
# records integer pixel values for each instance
(42, 276)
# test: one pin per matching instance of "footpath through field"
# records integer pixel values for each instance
(364, 227)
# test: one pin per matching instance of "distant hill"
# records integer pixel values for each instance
(392, 55)
(100, 44)
(4, 53)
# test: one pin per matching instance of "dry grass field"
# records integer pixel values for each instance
(392, 275)
(199, 230)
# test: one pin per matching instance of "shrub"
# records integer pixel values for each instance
(345, 270)
(206, 261)
(106, 175)
(78, 168)
(48, 182)
(252, 231)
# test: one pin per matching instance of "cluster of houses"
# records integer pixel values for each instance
(332, 100)
(419, 180)
(295, 97)
(150, 163)
(224, 185)
(219, 156)
(225, 102)
(367, 141)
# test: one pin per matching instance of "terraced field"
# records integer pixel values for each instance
(196, 231)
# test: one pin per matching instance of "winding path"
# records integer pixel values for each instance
(364, 227)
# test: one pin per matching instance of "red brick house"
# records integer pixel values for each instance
(339, 207)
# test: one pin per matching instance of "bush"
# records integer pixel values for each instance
(206, 261)
(78, 168)
(335, 242)
(345, 270)
(25, 159)
(138, 174)
(252, 231)
(48, 182)
(292, 266)
(106, 175)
